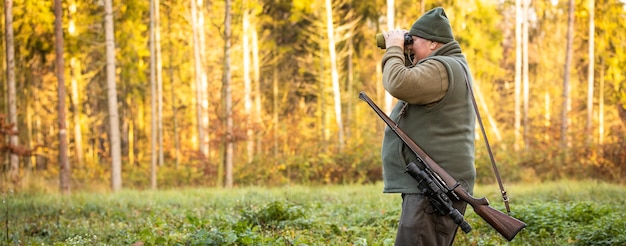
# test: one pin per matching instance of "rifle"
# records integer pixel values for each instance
(506, 225)
(433, 187)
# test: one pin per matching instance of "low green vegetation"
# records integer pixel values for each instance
(566, 212)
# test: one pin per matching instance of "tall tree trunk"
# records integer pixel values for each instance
(247, 97)
(518, 74)
(159, 80)
(174, 119)
(204, 91)
(10, 56)
(323, 124)
(257, 82)
(40, 161)
(275, 115)
(153, 99)
(64, 165)
(76, 105)
(350, 85)
(197, 18)
(199, 75)
(334, 73)
(131, 142)
(226, 80)
(566, 86)
(391, 13)
(75, 79)
(590, 79)
(170, 70)
(116, 156)
(601, 106)
(28, 122)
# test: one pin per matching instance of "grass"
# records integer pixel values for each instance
(557, 213)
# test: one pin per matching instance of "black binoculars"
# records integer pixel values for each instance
(380, 40)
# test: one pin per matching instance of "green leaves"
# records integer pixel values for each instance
(576, 213)
(274, 215)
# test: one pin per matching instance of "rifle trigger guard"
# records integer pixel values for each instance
(451, 190)
(454, 187)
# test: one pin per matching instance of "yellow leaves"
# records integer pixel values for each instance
(281, 167)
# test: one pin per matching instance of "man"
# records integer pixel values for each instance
(429, 78)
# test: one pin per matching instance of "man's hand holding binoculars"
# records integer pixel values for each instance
(395, 38)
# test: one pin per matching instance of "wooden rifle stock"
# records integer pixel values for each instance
(506, 225)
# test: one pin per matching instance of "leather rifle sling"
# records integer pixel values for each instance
(505, 198)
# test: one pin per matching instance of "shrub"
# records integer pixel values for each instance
(275, 215)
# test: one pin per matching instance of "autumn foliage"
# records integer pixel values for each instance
(288, 115)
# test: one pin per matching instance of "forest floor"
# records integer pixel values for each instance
(556, 213)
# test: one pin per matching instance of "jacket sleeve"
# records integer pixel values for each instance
(425, 83)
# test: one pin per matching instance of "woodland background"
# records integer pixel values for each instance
(265, 92)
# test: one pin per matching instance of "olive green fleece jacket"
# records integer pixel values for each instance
(434, 108)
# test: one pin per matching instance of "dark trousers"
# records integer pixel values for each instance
(420, 224)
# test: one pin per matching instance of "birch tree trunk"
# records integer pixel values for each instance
(226, 80)
(153, 99)
(590, 79)
(204, 88)
(247, 99)
(566, 86)
(199, 76)
(10, 56)
(257, 82)
(75, 78)
(116, 157)
(391, 13)
(64, 165)
(76, 117)
(334, 73)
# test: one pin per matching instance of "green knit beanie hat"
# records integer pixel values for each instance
(434, 26)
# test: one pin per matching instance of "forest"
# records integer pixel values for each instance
(112, 94)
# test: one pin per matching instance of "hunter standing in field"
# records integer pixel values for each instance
(434, 108)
